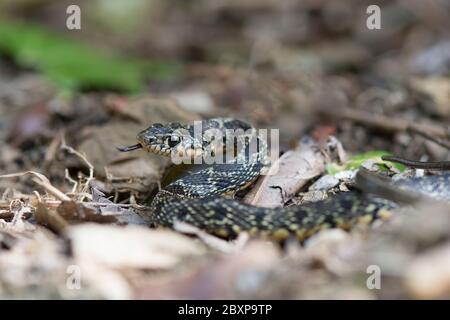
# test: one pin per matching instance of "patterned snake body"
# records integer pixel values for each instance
(198, 198)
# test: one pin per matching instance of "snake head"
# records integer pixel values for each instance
(167, 140)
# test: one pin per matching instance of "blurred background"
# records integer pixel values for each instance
(304, 67)
(271, 62)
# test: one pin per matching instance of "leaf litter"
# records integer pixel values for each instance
(69, 200)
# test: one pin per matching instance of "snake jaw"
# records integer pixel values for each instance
(157, 149)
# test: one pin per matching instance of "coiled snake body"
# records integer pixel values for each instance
(198, 198)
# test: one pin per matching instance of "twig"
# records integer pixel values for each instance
(71, 150)
(385, 123)
(38, 196)
(18, 208)
(56, 203)
(370, 183)
(443, 143)
(85, 194)
(41, 180)
(68, 177)
(51, 189)
(438, 165)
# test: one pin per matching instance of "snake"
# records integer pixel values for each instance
(205, 199)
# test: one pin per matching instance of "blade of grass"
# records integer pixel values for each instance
(73, 65)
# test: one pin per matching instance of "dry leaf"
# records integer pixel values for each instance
(130, 246)
(77, 212)
(122, 215)
(240, 274)
(295, 169)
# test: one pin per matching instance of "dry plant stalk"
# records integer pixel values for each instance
(84, 187)
(41, 180)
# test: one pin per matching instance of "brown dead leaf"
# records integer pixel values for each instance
(74, 212)
(49, 218)
(122, 215)
(295, 169)
(130, 246)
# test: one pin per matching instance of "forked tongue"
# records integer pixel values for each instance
(129, 148)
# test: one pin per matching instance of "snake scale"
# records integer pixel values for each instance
(198, 198)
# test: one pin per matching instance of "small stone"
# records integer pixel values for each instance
(324, 183)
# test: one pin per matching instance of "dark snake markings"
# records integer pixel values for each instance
(198, 198)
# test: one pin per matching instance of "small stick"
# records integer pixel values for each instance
(71, 150)
(68, 177)
(370, 183)
(50, 188)
(41, 180)
(129, 148)
(438, 165)
(384, 122)
(443, 143)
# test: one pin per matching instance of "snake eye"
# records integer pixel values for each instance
(173, 141)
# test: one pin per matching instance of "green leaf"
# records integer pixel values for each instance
(355, 161)
(75, 66)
